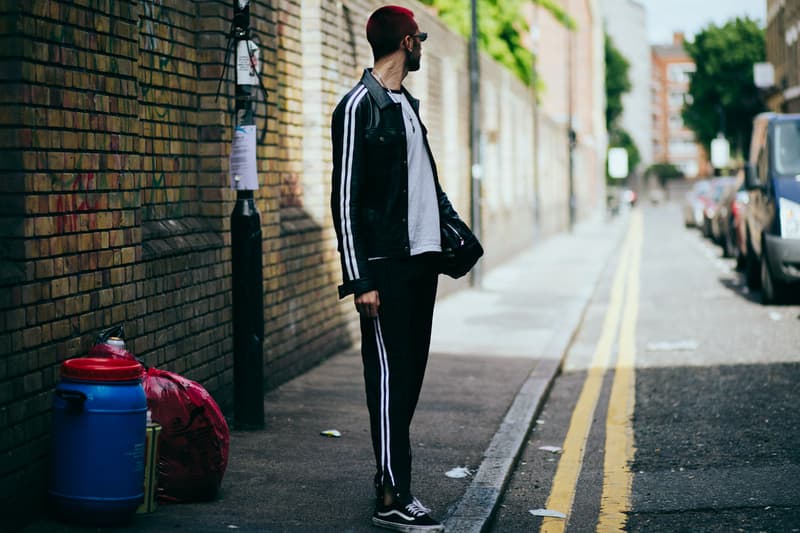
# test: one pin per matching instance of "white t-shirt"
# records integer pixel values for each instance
(423, 205)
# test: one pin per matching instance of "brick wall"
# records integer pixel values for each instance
(115, 206)
(115, 203)
(304, 319)
(72, 210)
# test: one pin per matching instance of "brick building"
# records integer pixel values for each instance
(673, 142)
(783, 52)
(115, 206)
(571, 65)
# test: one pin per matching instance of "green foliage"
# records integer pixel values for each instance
(617, 84)
(558, 13)
(500, 25)
(664, 172)
(722, 89)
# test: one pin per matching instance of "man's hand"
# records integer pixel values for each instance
(368, 303)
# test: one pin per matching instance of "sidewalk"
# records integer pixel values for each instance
(494, 354)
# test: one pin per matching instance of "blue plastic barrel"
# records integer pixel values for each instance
(99, 424)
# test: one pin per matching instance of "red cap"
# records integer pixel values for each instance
(101, 369)
(387, 26)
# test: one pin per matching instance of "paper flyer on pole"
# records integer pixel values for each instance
(247, 63)
(243, 159)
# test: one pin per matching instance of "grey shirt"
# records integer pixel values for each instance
(423, 206)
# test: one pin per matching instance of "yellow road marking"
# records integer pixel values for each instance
(617, 477)
(562, 493)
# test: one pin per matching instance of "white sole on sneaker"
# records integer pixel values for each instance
(409, 528)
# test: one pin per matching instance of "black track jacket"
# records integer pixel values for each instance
(369, 193)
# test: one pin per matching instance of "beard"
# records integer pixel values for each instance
(412, 61)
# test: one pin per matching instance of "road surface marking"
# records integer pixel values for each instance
(615, 502)
(562, 492)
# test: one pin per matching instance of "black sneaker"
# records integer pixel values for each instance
(410, 515)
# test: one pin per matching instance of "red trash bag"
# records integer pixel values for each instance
(194, 439)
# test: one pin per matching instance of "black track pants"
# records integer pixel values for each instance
(394, 348)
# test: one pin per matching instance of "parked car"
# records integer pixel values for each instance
(737, 231)
(694, 203)
(719, 185)
(772, 178)
(732, 228)
(727, 212)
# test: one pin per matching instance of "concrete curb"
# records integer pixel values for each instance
(473, 512)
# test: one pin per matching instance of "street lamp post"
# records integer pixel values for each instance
(571, 136)
(476, 169)
(534, 33)
(246, 253)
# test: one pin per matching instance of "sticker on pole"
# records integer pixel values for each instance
(243, 168)
(247, 63)
(618, 163)
(720, 151)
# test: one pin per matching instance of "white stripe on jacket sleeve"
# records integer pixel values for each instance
(348, 246)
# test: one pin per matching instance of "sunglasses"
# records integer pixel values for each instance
(422, 36)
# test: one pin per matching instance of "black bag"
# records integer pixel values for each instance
(460, 247)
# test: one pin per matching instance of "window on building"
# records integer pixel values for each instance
(676, 98)
(680, 72)
(682, 148)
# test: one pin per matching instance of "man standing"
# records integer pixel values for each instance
(386, 202)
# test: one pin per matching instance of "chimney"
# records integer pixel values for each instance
(677, 38)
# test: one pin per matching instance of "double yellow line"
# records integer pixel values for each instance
(619, 446)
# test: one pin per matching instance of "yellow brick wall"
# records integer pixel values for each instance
(70, 254)
(115, 205)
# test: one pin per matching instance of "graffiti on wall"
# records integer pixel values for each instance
(70, 208)
(158, 48)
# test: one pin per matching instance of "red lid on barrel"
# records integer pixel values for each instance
(101, 369)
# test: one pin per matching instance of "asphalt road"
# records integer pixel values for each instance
(678, 406)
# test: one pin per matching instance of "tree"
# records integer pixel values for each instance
(664, 172)
(723, 95)
(617, 84)
(500, 26)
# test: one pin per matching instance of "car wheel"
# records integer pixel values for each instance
(738, 253)
(752, 268)
(772, 290)
(740, 260)
(728, 242)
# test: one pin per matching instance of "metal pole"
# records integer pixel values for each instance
(535, 76)
(247, 276)
(476, 170)
(571, 137)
